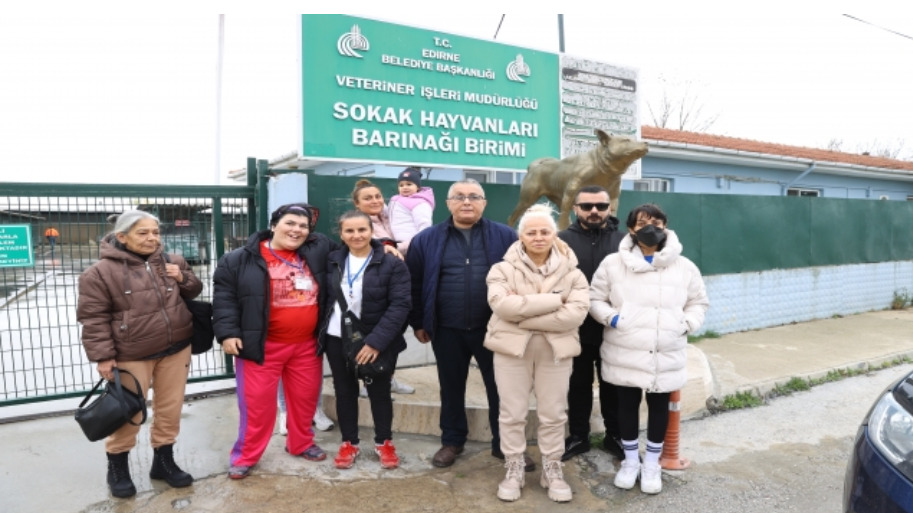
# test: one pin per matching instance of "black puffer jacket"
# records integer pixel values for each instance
(240, 300)
(591, 247)
(386, 299)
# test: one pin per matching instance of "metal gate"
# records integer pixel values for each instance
(41, 356)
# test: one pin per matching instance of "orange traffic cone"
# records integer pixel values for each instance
(670, 459)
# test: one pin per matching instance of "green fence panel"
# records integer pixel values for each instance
(684, 214)
(827, 244)
(721, 233)
(900, 216)
(41, 355)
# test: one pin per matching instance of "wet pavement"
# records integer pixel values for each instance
(49, 466)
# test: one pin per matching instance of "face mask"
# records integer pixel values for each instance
(650, 236)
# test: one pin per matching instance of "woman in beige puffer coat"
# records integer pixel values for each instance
(538, 299)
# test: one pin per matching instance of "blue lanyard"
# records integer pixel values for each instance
(299, 266)
(351, 279)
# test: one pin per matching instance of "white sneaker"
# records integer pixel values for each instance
(627, 474)
(400, 388)
(283, 429)
(321, 421)
(651, 478)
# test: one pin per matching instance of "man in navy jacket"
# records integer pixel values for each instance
(448, 263)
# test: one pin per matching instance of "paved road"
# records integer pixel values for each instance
(789, 455)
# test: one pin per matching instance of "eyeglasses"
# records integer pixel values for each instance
(586, 207)
(472, 197)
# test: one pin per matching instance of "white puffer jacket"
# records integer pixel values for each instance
(657, 305)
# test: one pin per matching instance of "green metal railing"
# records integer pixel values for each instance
(41, 356)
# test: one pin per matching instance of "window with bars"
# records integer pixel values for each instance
(796, 191)
(653, 185)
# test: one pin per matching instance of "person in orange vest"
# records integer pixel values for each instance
(51, 235)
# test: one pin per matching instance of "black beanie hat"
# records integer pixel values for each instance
(411, 174)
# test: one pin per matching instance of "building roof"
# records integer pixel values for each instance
(652, 133)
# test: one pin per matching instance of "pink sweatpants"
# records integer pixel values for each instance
(301, 371)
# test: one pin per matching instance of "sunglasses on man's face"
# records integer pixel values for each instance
(586, 207)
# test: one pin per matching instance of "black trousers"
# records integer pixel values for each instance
(580, 395)
(629, 414)
(346, 385)
(453, 349)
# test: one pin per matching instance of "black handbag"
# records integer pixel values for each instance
(353, 339)
(203, 334)
(115, 407)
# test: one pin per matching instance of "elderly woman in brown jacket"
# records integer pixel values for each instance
(133, 317)
(538, 298)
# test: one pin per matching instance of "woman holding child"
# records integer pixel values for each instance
(367, 198)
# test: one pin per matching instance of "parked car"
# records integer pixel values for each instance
(879, 476)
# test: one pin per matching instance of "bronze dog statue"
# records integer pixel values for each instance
(559, 180)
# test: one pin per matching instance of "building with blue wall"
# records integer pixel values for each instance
(688, 162)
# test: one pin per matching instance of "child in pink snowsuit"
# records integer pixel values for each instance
(411, 210)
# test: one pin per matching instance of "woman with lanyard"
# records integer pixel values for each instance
(367, 198)
(374, 286)
(267, 299)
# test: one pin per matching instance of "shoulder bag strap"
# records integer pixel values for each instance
(340, 296)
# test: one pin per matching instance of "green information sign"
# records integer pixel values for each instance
(380, 92)
(16, 246)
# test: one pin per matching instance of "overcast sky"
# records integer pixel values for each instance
(131, 98)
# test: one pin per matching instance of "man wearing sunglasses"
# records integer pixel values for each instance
(593, 236)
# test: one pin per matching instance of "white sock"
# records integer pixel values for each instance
(631, 448)
(654, 450)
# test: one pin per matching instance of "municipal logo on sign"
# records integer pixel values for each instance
(517, 68)
(348, 43)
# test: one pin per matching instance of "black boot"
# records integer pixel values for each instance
(164, 467)
(119, 475)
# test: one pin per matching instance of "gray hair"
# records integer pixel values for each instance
(538, 211)
(465, 181)
(128, 219)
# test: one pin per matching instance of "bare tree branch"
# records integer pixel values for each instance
(680, 108)
(835, 144)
